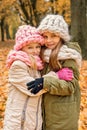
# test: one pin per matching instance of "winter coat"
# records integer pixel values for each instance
(23, 109)
(61, 104)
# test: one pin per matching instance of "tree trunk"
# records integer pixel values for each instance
(79, 24)
(7, 32)
(2, 29)
(86, 29)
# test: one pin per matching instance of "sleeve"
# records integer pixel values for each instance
(74, 45)
(51, 73)
(56, 86)
(19, 77)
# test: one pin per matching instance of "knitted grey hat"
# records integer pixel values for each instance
(56, 24)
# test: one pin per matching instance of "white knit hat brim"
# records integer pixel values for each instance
(55, 24)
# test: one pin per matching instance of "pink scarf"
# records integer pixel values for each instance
(20, 55)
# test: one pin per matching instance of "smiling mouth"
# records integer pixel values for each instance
(50, 45)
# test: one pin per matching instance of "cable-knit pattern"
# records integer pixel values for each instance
(65, 53)
(25, 35)
(20, 55)
(55, 24)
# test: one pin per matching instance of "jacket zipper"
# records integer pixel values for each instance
(37, 113)
(23, 113)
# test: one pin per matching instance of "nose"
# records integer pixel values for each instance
(35, 51)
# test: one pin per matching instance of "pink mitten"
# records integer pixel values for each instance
(65, 74)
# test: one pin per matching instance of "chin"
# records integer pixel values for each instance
(51, 47)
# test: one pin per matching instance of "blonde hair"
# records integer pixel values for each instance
(33, 63)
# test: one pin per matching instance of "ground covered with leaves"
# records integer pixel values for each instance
(4, 49)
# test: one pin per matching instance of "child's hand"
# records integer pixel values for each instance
(35, 85)
(65, 74)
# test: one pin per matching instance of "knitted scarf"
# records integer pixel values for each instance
(64, 54)
(20, 55)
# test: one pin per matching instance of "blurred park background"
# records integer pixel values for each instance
(14, 13)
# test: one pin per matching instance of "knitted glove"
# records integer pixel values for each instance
(65, 74)
(35, 85)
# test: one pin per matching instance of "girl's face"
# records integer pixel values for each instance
(51, 40)
(32, 49)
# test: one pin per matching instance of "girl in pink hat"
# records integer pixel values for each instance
(23, 109)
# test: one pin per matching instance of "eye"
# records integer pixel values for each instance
(29, 47)
(38, 46)
(53, 35)
(45, 36)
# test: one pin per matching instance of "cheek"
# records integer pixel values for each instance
(45, 40)
(58, 39)
(39, 50)
(29, 51)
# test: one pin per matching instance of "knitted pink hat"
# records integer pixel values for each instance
(25, 35)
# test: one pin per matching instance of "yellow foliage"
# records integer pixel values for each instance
(62, 7)
(43, 6)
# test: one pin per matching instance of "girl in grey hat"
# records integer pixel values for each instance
(61, 103)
